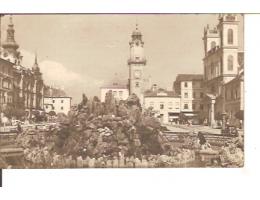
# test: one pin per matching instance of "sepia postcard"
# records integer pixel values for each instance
(121, 91)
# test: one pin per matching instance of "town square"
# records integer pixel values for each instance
(136, 90)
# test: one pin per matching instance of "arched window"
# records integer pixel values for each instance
(230, 36)
(230, 63)
(213, 44)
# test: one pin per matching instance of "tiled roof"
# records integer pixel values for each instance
(160, 93)
(189, 77)
(116, 82)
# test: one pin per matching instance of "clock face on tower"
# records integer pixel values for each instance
(137, 74)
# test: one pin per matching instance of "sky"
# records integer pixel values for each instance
(82, 52)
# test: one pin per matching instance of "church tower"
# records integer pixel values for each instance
(10, 46)
(228, 28)
(136, 64)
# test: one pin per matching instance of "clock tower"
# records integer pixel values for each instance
(136, 64)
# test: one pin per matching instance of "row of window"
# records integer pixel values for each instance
(195, 84)
(6, 70)
(53, 108)
(194, 95)
(6, 100)
(120, 93)
(230, 38)
(194, 106)
(215, 69)
(170, 105)
(185, 106)
(6, 84)
(232, 95)
(62, 101)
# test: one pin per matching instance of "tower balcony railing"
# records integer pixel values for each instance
(136, 61)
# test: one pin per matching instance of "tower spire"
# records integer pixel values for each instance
(10, 43)
(11, 20)
(35, 65)
(36, 59)
(136, 24)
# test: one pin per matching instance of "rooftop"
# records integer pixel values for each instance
(160, 93)
(189, 77)
(116, 82)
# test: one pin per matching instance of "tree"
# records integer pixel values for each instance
(84, 99)
(10, 112)
(38, 116)
(96, 99)
(52, 113)
(133, 100)
(149, 111)
(110, 103)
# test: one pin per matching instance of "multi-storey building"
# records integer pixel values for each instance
(55, 99)
(165, 104)
(6, 82)
(221, 48)
(58, 104)
(23, 87)
(234, 99)
(28, 88)
(190, 89)
(118, 87)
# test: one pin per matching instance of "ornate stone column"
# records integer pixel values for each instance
(224, 114)
(212, 112)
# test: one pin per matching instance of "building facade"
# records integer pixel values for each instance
(118, 87)
(234, 100)
(221, 63)
(22, 87)
(165, 105)
(57, 104)
(190, 89)
(136, 64)
(6, 83)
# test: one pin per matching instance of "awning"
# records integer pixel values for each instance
(173, 117)
(190, 114)
(171, 114)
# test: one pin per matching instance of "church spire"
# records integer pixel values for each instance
(35, 65)
(10, 43)
(137, 35)
(36, 59)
